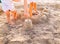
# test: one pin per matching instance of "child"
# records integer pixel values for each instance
(8, 7)
(32, 6)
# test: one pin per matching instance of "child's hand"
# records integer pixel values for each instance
(16, 0)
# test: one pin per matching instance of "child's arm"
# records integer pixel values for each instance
(16, 0)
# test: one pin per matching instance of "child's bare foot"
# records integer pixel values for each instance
(35, 12)
(15, 18)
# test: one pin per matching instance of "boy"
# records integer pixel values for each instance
(33, 6)
(8, 7)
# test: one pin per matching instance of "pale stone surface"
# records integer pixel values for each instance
(3, 40)
(57, 41)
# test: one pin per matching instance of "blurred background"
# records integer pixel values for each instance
(46, 25)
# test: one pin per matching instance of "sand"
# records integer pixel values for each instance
(45, 30)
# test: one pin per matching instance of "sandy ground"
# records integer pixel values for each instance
(46, 29)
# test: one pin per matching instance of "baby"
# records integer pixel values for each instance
(8, 7)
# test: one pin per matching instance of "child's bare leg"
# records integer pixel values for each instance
(35, 6)
(8, 16)
(30, 9)
(14, 13)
